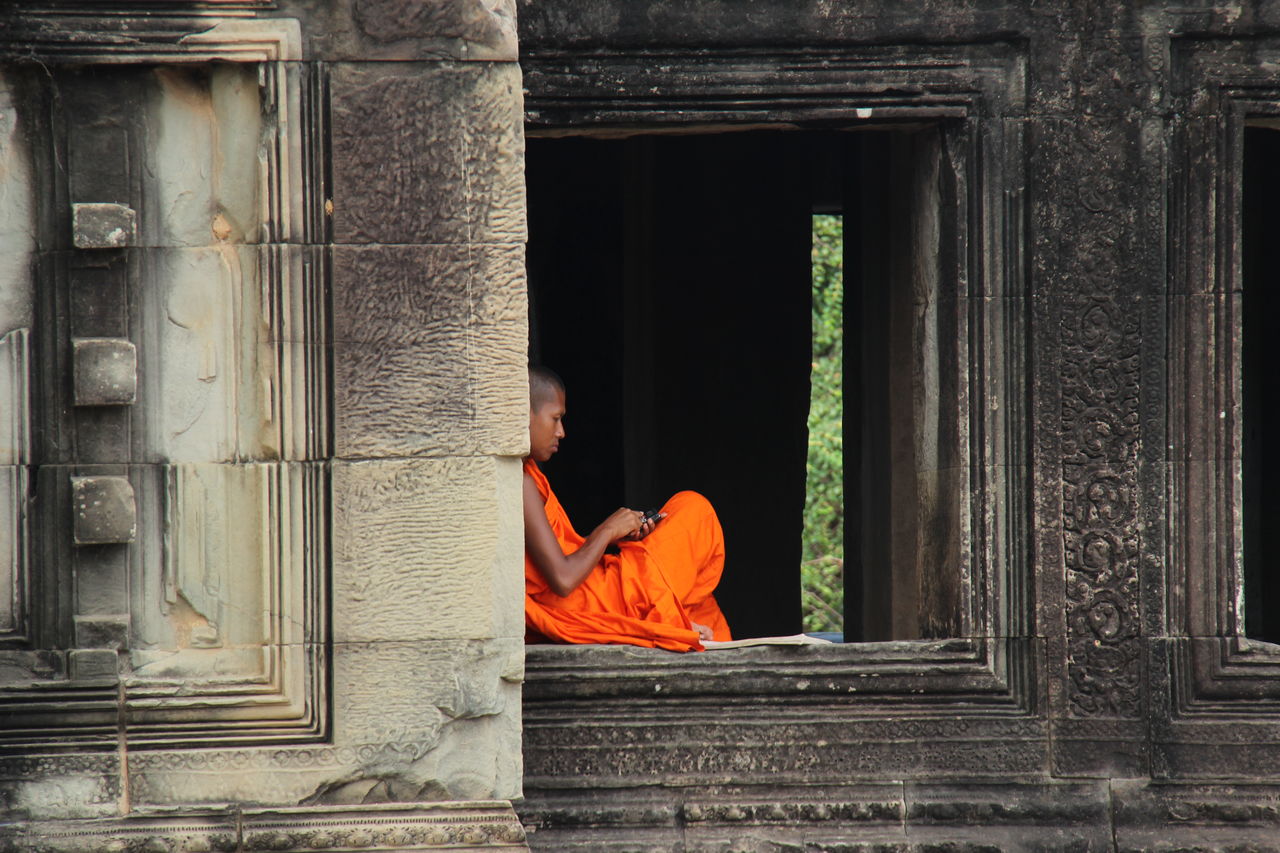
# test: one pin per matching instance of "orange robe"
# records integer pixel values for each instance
(648, 594)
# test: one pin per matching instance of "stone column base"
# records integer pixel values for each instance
(480, 825)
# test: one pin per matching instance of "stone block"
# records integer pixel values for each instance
(447, 163)
(403, 400)
(431, 352)
(336, 775)
(404, 184)
(427, 549)
(103, 510)
(401, 295)
(103, 225)
(494, 160)
(15, 401)
(42, 788)
(102, 632)
(363, 30)
(404, 295)
(382, 827)
(387, 827)
(18, 215)
(206, 135)
(105, 371)
(212, 777)
(414, 693)
(461, 394)
(14, 509)
(486, 26)
(174, 832)
(94, 665)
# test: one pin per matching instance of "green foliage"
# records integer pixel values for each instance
(822, 569)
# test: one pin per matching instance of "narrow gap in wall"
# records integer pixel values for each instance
(822, 569)
(1260, 383)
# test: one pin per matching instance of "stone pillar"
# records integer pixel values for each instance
(262, 405)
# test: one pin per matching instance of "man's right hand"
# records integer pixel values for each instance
(626, 524)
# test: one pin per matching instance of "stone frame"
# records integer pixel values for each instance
(978, 93)
(287, 702)
(1215, 676)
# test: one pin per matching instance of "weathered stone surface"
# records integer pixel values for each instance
(213, 383)
(426, 549)
(105, 372)
(446, 166)
(40, 787)
(405, 294)
(474, 825)
(431, 351)
(102, 632)
(403, 400)
(885, 816)
(208, 612)
(451, 707)
(361, 30)
(777, 23)
(94, 665)
(103, 511)
(480, 824)
(103, 225)
(215, 777)
(15, 423)
(13, 548)
(440, 399)
(16, 238)
(211, 123)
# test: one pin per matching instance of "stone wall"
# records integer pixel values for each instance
(262, 320)
(1103, 691)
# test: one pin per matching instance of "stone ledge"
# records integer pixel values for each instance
(1039, 815)
(877, 816)
(486, 824)
(973, 670)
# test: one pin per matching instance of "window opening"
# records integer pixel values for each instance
(1260, 383)
(671, 283)
(822, 570)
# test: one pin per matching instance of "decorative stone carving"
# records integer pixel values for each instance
(211, 323)
(103, 225)
(105, 372)
(104, 511)
(393, 829)
(1100, 378)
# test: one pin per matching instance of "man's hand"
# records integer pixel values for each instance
(704, 633)
(629, 524)
(623, 524)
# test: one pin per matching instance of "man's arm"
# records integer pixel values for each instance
(564, 572)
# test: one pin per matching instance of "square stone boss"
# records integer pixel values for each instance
(105, 371)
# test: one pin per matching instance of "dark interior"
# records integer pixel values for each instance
(669, 285)
(1260, 321)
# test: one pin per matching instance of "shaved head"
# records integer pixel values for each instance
(544, 384)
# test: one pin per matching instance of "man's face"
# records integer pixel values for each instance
(546, 427)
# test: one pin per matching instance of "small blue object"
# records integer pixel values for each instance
(830, 636)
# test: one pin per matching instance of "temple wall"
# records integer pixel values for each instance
(262, 323)
(1103, 689)
(263, 328)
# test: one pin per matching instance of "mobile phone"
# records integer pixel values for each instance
(652, 514)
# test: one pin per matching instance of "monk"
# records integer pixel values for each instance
(655, 592)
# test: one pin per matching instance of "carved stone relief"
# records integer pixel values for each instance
(1100, 340)
(185, 446)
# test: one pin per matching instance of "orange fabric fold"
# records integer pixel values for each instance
(646, 595)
